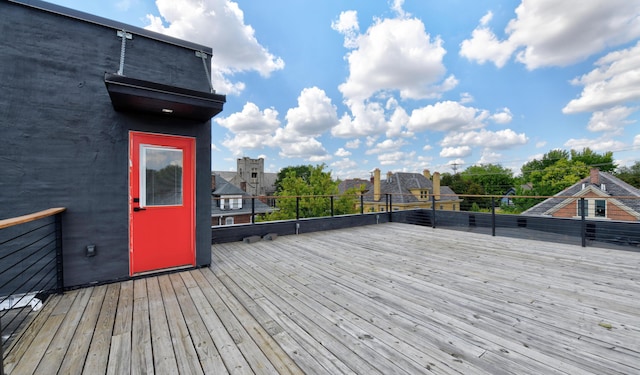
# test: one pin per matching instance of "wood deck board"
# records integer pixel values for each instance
(390, 298)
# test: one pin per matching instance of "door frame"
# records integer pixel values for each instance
(132, 174)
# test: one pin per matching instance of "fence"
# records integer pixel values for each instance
(30, 269)
(589, 220)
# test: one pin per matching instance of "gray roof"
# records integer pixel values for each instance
(614, 187)
(225, 188)
(400, 185)
(354, 182)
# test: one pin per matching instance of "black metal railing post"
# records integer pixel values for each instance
(433, 211)
(583, 224)
(332, 205)
(253, 210)
(1, 352)
(59, 260)
(361, 204)
(297, 208)
(390, 208)
(493, 216)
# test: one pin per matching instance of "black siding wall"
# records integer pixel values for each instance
(63, 145)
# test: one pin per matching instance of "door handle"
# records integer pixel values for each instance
(136, 209)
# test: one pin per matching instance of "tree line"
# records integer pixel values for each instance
(553, 172)
(549, 175)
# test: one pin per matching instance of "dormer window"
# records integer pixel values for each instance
(231, 203)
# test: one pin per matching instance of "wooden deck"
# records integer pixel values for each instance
(385, 299)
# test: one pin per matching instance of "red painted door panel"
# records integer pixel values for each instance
(161, 202)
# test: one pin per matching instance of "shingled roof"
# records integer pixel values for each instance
(400, 184)
(225, 188)
(605, 183)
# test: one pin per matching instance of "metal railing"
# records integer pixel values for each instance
(604, 221)
(31, 268)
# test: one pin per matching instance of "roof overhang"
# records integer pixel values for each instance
(135, 95)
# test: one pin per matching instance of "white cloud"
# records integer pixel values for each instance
(314, 114)
(353, 144)
(219, 24)
(397, 7)
(214, 147)
(393, 158)
(556, 33)
(500, 139)
(368, 118)
(344, 166)
(396, 54)
(541, 144)
(397, 123)
(347, 24)
(295, 146)
(503, 117)
(371, 140)
(601, 144)
(444, 116)
(386, 145)
(614, 81)
(489, 157)
(251, 128)
(465, 97)
(484, 45)
(636, 140)
(455, 152)
(341, 152)
(611, 120)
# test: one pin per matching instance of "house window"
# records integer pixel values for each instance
(601, 210)
(228, 221)
(424, 194)
(586, 208)
(254, 174)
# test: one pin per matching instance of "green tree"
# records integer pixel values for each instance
(604, 162)
(455, 182)
(494, 178)
(314, 190)
(302, 171)
(630, 175)
(558, 177)
(547, 160)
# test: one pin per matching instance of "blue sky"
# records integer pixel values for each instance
(408, 85)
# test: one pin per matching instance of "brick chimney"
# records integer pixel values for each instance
(436, 185)
(426, 174)
(376, 184)
(213, 182)
(389, 176)
(594, 176)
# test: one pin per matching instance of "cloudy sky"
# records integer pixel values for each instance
(407, 85)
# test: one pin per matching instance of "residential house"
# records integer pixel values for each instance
(606, 197)
(126, 152)
(232, 205)
(406, 191)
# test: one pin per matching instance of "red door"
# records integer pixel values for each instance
(161, 202)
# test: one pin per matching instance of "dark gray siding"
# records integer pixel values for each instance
(63, 145)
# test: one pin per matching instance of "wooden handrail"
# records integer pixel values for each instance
(6, 223)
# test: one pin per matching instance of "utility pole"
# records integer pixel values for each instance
(454, 166)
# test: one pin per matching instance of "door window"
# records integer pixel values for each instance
(161, 182)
